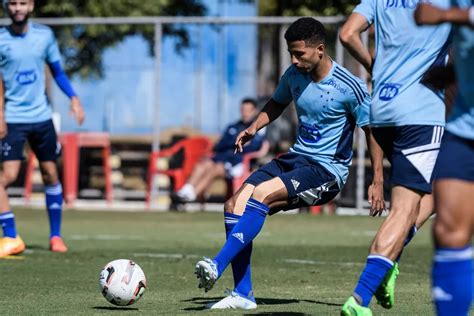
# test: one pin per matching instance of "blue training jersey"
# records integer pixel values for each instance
(404, 53)
(22, 61)
(461, 120)
(328, 112)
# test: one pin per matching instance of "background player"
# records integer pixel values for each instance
(26, 116)
(407, 119)
(454, 179)
(224, 162)
(330, 102)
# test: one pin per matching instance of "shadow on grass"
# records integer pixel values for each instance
(116, 308)
(203, 301)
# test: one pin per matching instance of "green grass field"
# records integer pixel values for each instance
(301, 264)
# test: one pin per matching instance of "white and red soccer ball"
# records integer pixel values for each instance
(122, 282)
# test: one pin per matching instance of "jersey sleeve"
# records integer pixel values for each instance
(361, 108)
(282, 94)
(367, 9)
(52, 52)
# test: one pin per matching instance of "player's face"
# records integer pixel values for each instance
(19, 10)
(247, 112)
(305, 58)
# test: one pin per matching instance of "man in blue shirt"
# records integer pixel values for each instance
(25, 115)
(407, 119)
(223, 163)
(452, 274)
(330, 102)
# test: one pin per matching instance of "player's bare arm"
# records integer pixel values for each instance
(3, 124)
(428, 14)
(77, 110)
(375, 193)
(270, 112)
(351, 40)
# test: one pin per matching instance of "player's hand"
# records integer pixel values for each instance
(77, 111)
(426, 13)
(244, 137)
(3, 129)
(376, 199)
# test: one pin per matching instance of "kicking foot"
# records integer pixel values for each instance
(385, 294)
(233, 301)
(206, 272)
(56, 244)
(351, 308)
(11, 246)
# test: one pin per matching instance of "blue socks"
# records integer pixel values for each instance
(241, 263)
(54, 204)
(452, 275)
(243, 233)
(7, 220)
(374, 272)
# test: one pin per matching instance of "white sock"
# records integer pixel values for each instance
(187, 192)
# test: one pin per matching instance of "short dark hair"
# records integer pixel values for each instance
(306, 29)
(249, 100)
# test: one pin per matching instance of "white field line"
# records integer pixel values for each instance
(105, 237)
(315, 262)
(166, 255)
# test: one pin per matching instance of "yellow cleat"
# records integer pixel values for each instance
(11, 246)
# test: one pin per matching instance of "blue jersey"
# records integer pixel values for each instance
(22, 61)
(404, 53)
(328, 112)
(461, 121)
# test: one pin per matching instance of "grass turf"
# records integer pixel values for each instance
(301, 264)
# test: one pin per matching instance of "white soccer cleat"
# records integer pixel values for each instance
(233, 301)
(206, 271)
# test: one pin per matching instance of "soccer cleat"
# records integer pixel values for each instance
(351, 308)
(233, 301)
(11, 246)
(385, 294)
(206, 271)
(56, 244)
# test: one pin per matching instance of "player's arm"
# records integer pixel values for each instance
(426, 13)
(3, 124)
(65, 85)
(270, 112)
(375, 194)
(350, 37)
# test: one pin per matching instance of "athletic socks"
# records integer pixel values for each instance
(241, 263)
(54, 202)
(452, 275)
(7, 220)
(243, 233)
(374, 272)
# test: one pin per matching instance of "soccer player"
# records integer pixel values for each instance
(330, 102)
(454, 178)
(407, 120)
(224, 163)
(26, 116)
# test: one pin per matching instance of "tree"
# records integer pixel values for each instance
(83, 45)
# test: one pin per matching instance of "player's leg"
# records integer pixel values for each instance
(12, 154)
(452, 272)
(44, 143)
(215, 170)
(453, 227)
(188, 191)
(242, 296)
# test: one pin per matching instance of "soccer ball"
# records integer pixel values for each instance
(122, 282)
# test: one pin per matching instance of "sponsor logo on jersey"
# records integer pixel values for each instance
(336, 85)
(401, 4)
(26, 77)
(389, 91)
(308, 134)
